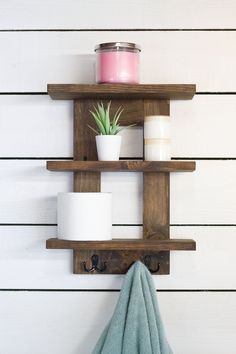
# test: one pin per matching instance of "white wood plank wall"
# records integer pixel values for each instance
(43, 306)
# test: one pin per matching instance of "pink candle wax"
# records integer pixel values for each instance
(117, 64)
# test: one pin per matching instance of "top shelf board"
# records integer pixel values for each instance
(122, 91)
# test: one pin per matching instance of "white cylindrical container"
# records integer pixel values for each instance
(157, 149)
(157, 138)
(108, 147)
(84, 216)
(157, 127)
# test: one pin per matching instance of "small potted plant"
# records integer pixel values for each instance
(108, 141)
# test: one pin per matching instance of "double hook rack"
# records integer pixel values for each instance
(147, 260)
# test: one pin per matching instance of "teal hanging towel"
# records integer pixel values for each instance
(136, 326)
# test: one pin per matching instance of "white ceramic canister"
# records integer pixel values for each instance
(84, 216)
(157, 127)
(108, 147)
(157, 138)
(157, 149)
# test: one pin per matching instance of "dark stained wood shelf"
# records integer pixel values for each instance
(124, 244)
(121, 91)
(138, 101)
(123, 166)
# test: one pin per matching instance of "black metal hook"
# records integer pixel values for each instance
(94, 260)
(147, 261)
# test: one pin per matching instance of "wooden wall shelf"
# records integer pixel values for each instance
(138, 101)
(124, 91)
(124, 245)
(117, 255)
(122, 166)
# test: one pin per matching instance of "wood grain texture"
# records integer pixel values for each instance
(84, 149)
(130, 91)
(132, 111)
(156, 107)
(156, 196)
(156, 214)
(118, 262)
(122, 166)
(124, 244)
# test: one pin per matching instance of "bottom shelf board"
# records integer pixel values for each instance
(124, 244)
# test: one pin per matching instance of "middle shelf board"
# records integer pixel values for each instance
(124, 245)
(122, 166)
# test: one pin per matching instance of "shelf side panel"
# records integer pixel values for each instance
(84, 148)
(156, 196)
(156, 215)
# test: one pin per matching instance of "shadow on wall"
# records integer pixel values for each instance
(72, 68)
(85, 68)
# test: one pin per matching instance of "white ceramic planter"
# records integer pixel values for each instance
(108, 147)
(157, 134)
(84, 216)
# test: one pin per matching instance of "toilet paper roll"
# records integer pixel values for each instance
(157, 127)
(157, 149)
(84, 216)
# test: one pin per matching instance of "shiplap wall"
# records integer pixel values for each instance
(43, 306)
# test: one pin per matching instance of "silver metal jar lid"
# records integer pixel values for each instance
(117, 45)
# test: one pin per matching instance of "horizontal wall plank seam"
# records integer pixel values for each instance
(130, 225)
(215, 93)
(204, 158)
(23, 93)
(123, 158)
(118, 290)
(37, 158)
(119, 30)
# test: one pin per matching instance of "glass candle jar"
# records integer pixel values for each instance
(117, 62)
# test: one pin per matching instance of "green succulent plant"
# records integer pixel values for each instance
(105, 124)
